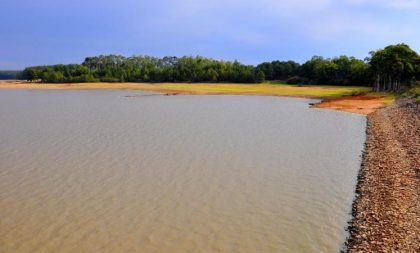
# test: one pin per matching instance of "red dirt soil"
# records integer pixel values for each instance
(363, 104)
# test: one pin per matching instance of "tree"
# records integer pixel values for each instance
(267, 69)
(393, 66)
(259, 76)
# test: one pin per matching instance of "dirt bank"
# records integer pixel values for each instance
(387, 208)
(363, 104)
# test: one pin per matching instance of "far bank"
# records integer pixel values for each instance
(343, 98)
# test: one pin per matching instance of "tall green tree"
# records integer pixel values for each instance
(394, 66)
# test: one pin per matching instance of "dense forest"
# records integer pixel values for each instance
(11, 75)
(115, 68)
(385, 69)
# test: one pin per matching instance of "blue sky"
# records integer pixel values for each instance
(38, 32)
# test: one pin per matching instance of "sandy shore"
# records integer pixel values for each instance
(334, 97)
(387, 208)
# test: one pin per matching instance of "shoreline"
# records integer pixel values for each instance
(339, 98)
(386, 209)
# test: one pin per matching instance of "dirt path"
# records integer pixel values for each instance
(387, 209)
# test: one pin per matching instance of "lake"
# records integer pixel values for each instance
(129, 171)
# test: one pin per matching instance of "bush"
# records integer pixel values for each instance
(110, 79)
(297, 80)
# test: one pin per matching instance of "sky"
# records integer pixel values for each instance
(42, 32)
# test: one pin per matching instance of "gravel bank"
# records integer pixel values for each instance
(386, 212)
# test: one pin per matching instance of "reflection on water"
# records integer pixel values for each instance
(97, 171)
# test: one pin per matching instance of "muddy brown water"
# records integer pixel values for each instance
(124, 171)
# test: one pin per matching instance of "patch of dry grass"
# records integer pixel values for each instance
(311, 91)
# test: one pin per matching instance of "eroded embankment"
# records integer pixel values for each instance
(386, 212)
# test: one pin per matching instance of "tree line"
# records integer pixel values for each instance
(386, 69)
(11, 75)
(116, 68)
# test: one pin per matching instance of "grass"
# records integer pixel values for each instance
(388, 97)
(417, 94)
(277, 89)
(413, 92)
(318, 91)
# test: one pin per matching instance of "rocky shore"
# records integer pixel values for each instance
(386, 211)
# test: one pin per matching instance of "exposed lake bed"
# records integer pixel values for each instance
(125, 171)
